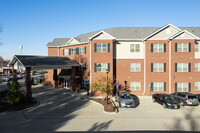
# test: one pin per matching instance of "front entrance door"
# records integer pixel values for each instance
(66, 83)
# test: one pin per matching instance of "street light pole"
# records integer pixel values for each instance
(107, 86)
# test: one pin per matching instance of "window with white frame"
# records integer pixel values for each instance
(101, 47)
(134, 48)
(196, 85)
(73, 51)
(158, 86)
(65, 51)
(82, 66)
(135, 67)
(158, 67)
(182, 47)
(82, 50)
(85, 83)
(197, 67)
(158, 47)
(197, 47)
(101, 67)
(182, 67)
(182, 87)
(135, 86)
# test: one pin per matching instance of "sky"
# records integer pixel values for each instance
(34, 23)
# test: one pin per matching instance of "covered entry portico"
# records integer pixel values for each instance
(30, 62)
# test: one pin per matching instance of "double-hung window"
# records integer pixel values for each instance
(65, 51)
(182, 67)
(196, 85)
(182, 87)
(158, 47)
(102, 67)
(135, 67)
(134, 48)
(82, 66)
(197, 67)
(158, 67)
(82, 50)
(135, 86)
(197, 47)
(85, 83)
(182, 47)
(73, 51)
(101, 47)
(158, 86)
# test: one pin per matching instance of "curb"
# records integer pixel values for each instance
(38, 102)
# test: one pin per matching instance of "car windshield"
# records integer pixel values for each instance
(125, 96)
(168, 98)
(191, 97)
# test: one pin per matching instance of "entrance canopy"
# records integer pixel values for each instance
(42, 62)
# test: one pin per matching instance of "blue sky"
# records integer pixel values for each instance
(34, 23)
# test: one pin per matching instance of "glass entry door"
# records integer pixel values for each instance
(66, 83)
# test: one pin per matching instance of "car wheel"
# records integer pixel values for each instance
(164, 105)
(153, 99)
(182, 103)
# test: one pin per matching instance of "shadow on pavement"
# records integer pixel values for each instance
(136, 99)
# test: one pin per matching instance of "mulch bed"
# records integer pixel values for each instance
(107, 107)
(5, 107)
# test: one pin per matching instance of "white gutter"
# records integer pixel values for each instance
(90, 91)
(170, 66)
(58, 51)
(144, 67)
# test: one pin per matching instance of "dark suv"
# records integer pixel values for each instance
(186, 98)
(167, 101)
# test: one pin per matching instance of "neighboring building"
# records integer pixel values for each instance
(165, 59)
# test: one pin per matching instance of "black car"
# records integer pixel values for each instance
(165, 100)
(186, 98)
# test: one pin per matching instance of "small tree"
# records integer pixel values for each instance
(101, 84)
(13, 96)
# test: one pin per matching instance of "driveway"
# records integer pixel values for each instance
(59, 110)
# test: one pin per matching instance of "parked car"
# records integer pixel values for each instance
(125, 99)
(6, 78)
(167, 101)
(19, 76)
(198, 96)
(23, 75)
(186, 98)
(1, 80)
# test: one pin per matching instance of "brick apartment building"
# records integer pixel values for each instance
(146, 60)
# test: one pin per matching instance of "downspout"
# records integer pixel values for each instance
(170, 66)
(90, 91)
(144, 67)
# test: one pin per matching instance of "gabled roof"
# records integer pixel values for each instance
(100, 33)
(43, 62)
(181, 32)
(58, 42)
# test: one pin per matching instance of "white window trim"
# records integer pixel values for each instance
(198, 47)
(182, 47)
(81, 67)
(134, 47)
(72, 50)
(158, 68)
(102, 67)
(182, 67)
(163, 85)
(85, 83)
(182, 87)
(198, 86)
(134, 67)
(158, 47)
(101, 48)
(64, 51)
(81, 49)
(198, 67)
(134, 83)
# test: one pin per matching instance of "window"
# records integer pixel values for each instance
(66, 52)
(102, 67)
(158, 67)
(82, 66)
(182, 87)
(135, 86)
(182, 47)
(182, 67)
(197, 67)
(82, 50)
(101, 47)
(73, 51)
(196, 85)
(158, 47)
(197, 47)
(134, 47)
(85, 83)
(135, 67)
(158, 86)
